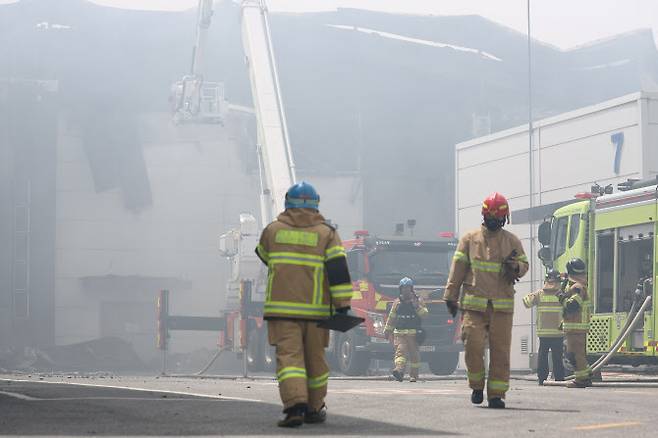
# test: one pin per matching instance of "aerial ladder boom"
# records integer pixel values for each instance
(276, 165)
(274, 152)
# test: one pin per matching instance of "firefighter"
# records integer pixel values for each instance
(575, 303)
(307, 278)
(549, 322)
(404, 325)
(487, 263)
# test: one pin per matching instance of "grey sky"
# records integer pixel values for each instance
(564, 23)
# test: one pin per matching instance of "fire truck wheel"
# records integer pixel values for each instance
(350, 361)
(254, 351)
(443, 364)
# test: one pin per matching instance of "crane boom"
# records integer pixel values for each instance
(274, 151)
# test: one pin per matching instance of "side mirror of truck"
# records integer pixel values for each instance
(544, 233)
(546, 256)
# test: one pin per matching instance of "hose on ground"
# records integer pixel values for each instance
(620, 339)
(210, 363)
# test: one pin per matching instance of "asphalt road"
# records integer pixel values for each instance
(184, 406)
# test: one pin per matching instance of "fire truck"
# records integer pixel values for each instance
(376, 266)
(615, 234)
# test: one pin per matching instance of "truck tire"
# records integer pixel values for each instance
(350, 361)
(444, 364)
(254, 351)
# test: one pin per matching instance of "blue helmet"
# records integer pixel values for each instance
(406, 281)
(302, 195)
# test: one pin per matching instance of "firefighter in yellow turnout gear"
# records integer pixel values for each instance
(549, 326)
(404, 324)
(575, 301)
(487, 263)
(307, 277)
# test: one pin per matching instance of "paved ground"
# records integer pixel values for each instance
(58, 405)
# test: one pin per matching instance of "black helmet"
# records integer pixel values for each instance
(576, 267)
(552, 275)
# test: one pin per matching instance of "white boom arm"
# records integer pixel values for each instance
(276, 165)
(275, 155)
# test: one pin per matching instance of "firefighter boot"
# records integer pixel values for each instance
(294, 416)
(579, 384)
(496, 403)
(398, 375)
(477, 396)
(314, 417)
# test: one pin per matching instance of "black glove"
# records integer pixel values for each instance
(511, 268)
(343, 310)
(561, 296)
(453, 307)
(572, 306)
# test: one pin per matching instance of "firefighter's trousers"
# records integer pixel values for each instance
(302, 369)
(577, 355)
(496, 327)
(556, 347)
(406, 351)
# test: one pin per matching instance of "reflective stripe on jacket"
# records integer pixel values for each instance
(402, 326)
(549, 310)
(477, 269)
(307, 266)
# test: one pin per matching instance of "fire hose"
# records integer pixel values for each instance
(603, 360)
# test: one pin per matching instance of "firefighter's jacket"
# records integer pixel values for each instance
(576, 291)
(307, 267)
(404, 317)
(549, 310)
(477, 268)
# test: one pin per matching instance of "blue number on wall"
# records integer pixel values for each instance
(618, 142)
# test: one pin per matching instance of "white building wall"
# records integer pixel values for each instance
(571, 152)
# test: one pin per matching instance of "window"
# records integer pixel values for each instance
(355, 264)
(574, 228)
(634, 264)
(605, 265)
(559, 238)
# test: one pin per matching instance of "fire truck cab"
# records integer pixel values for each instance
(376, 266)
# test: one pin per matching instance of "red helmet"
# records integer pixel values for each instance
(495, 205)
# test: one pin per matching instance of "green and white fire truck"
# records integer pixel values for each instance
(615, 234)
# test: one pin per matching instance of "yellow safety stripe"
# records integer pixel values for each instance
(460, 257)
(262, 253)
(479, 265)
(497, 385)
(422, 311)
(294, 237)
(475, 377)
(290, 373)
(575, 325)
(474, 302)
(503, 303)
(333, 252)
(549, 332)
(549, 299)
(294, 258)
(291, 308)
(319, 381)
(415, 365)
(341, 291)
(400, 361)
(522, 258)
(405, 331)
(318, 280)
